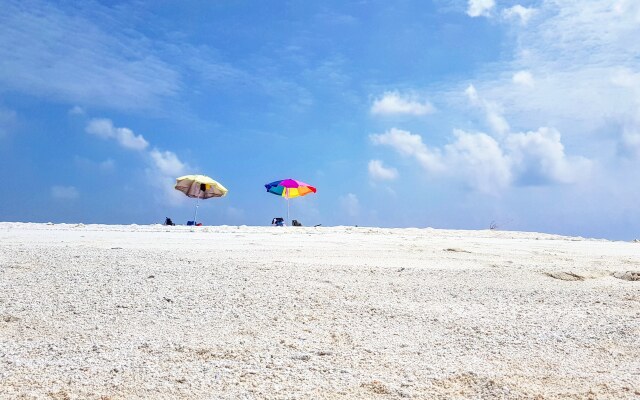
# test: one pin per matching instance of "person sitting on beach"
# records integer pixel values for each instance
(168, 221)
(278, 221)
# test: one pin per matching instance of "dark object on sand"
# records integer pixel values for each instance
(295, 223)
(168, 221)
(278, 221)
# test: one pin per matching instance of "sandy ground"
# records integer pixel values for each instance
(154, 312)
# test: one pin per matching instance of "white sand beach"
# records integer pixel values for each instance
(155, 312)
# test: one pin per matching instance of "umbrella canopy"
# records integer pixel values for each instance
(289, 188)
(200, 187)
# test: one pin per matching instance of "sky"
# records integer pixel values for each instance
(457, 114)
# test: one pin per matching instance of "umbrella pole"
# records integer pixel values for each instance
(287, 191)
(195, 214)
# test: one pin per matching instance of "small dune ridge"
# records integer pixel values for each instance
(584, 275)
(627, 275)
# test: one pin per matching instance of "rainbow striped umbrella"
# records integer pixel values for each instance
(289, 188)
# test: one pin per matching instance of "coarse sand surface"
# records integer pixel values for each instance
(227, 312)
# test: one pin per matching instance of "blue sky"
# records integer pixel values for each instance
(449, 114)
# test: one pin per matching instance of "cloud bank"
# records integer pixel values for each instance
(163, 167)
(494, 161)
(489, 163)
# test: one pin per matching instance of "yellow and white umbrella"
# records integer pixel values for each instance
(199, 187)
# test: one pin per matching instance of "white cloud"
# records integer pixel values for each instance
(104, 128)
(626, 78)
(167, 163)
(538, 157)
(490, 164)
(64, 192)
(493, 111)
(129, 140)
(378, 171)
(479, 160)
(628, 7)
(76, 110)
(394, 103)
(583, 56)
(411, 145)
(67, 53)
(587, 86)
(630, 142)
(480, 8)
(495, 118)
(101, 127)
(164, 185)
(350, 204)
(402, 141)
(493, 162)
(523, 78)
(107, 165)
(524, 14)
(163, 166)
(472, 94)
(592, 33)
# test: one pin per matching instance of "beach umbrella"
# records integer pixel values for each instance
(289, 188)
(199, 187)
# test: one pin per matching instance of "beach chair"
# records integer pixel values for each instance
(295, 223)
